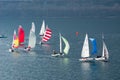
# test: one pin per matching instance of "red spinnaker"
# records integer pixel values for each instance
(47, 35)
(21, 34)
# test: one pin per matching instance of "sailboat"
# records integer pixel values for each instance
(66, 49)
(2, 36)
(21, 35)
(105, 53)
(32, 38)
(85, 54)
(47, 35)
(15, 42)
(42, 30)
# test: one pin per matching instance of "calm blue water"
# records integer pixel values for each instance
(39, 65)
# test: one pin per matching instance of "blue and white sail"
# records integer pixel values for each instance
(94, 45)
(85, 54)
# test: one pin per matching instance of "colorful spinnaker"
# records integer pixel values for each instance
(15, 43)
(47, 35)
(67, 46)
(21, 34)
(94, 45)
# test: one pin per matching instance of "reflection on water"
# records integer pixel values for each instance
(33, 53)
(66, 61)
(85, 66)
(38, 64)
(86, 70)
(15, 54)
(46, 48)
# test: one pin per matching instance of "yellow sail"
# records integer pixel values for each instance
(16, 42)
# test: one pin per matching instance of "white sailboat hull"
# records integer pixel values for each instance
(101, 59)
(86, 59)
(57, 55)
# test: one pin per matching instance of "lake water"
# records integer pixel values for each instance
(40, 65)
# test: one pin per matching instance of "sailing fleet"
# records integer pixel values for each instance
(46, 34)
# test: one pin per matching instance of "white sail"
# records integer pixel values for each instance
(85, 49)
(33, 27)
(105, 51)
(67, 46)
(60, 43)
(42, 30)
(32, 37)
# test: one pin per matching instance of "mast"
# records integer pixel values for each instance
(60, 43)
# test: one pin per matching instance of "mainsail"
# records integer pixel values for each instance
(47, 35)
(32, 36)
(15, 42)
(21, 34)
(85, 49)
(42, 30)
(105, 51)
(94, 45)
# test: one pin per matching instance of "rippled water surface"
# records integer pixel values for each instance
(38, 64)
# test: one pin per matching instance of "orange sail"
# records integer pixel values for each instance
(21, 34)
